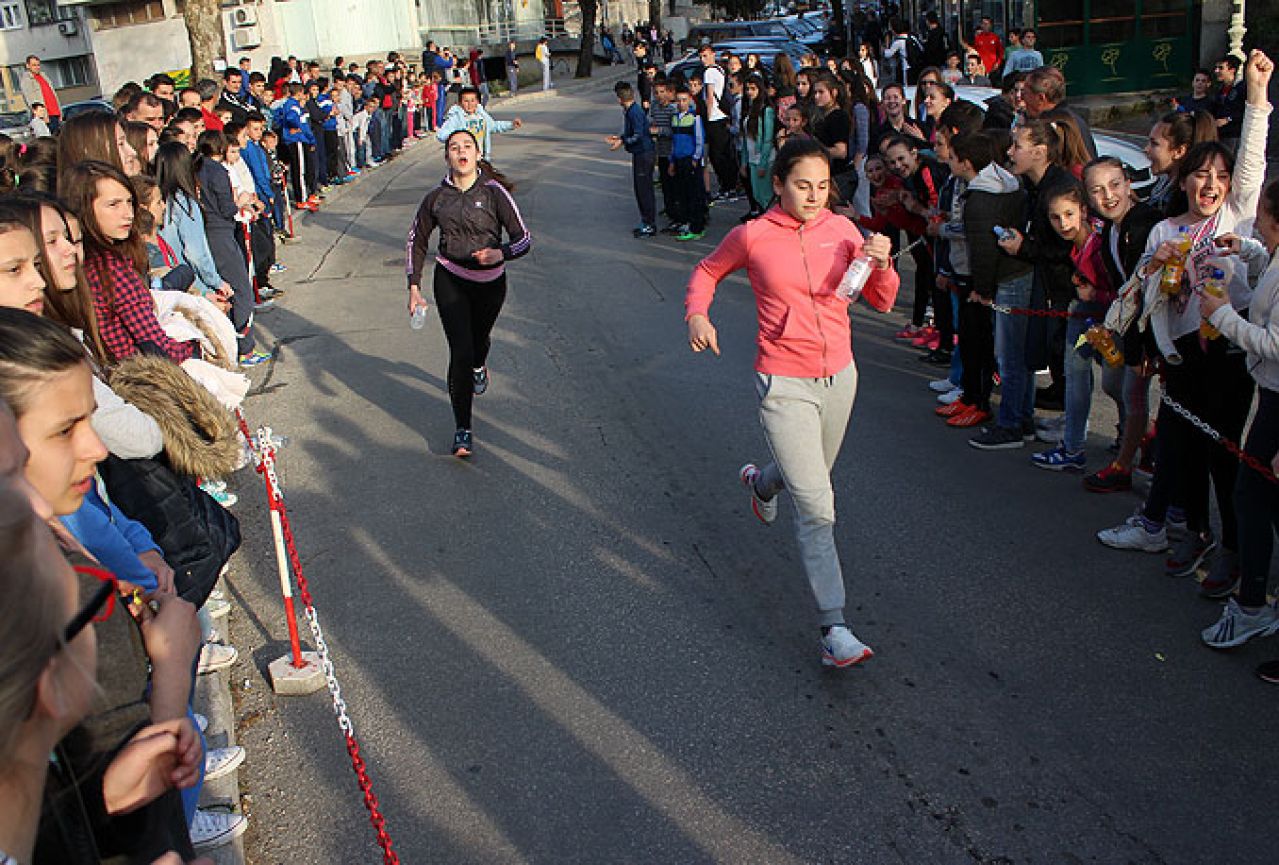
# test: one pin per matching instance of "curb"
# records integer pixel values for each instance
(213, 700)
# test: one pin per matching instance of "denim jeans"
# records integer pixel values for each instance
(1079, 374)
(956, 358)
(1017, 388)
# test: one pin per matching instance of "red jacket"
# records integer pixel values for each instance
(794, 268)
(895, 217)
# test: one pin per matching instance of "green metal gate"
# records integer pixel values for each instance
(1112, 46)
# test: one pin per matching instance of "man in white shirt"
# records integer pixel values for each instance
(719, 142)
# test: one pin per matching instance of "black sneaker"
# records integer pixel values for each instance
(997, 438)
(937, 357)
(480, 380)
(1222, 578)
(1189, 553)
(462, 443)
(1028, 430)
(1269, 672)
(644, 231)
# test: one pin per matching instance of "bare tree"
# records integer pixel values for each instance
(204, 30)
(586, 55)
(655, 14)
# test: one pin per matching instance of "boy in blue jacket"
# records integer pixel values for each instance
(638, 142)
(299, 148)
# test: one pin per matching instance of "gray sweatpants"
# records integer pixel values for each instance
(804, 421)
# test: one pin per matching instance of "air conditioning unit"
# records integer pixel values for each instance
(68, 27)
(246, 37)
(244, 16)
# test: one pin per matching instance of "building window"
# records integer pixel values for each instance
(41, 12)
(63, 72)
(123, 14)
(10, 16)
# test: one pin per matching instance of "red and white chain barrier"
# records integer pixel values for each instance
(1246, 458)
(287, 554)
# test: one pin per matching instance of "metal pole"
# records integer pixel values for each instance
(1237, 30)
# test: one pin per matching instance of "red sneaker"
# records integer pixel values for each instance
(907, 332)
(923, 336)
(955, 408)
(972, 417)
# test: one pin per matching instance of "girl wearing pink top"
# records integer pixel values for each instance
(795, 255)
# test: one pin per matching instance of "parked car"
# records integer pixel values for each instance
(766, 49)
(1107, 145)
(723, 31)
(96, 104)
(17, 125)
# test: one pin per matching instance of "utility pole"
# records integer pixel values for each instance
(1237, 30)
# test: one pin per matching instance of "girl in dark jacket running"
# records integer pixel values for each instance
(471, 210)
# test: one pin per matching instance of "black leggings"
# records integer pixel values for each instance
(1257, 503)
(468, 311)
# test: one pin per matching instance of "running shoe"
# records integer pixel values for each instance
(462, 445)
(1111, 479)
(644, 231)
(691, 235)
(923, 336)
(278, 268)
(224, 498)
(212, 829)
(254, 358)
(216, 609)
(1175, 519)
(1223, 576)
(841, 649)
(942, 385)
(937, 357)
(219, 762)
(956, 407)
(765, 510)
(675, 228)
(1189, 554)
(970, 418)
(1135, 533)
(950, 396)
(480, 380)
(910, 331)
(1236, 627)
(1059, 459)
(997, 438)
(201, 722)
(264, 305)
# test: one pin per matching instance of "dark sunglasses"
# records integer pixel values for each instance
(100, 606)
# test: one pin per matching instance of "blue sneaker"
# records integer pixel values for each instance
(480, 380)
(1060, 460)
(254, 358)
(462, 444)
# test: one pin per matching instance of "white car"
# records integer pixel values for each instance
(1107, 145)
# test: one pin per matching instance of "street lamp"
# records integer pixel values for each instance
(1237, 30)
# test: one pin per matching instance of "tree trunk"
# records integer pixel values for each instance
(655, 14)
(586, 56)
(204, 30)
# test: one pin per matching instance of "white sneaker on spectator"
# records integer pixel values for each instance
(212, 829)
(841, 649)
(765, 510)
(942, 385)
(950, 396)
(215, 656)
(1135, 533)
(1236, 627)
(215, 636)
(222, 761)
(217, 609)
(202, 722)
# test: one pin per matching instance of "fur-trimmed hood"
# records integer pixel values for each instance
(199, 433)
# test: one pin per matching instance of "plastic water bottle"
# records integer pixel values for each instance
(854, 279)
(418, 320)
(1175, 268)
(1216, 287)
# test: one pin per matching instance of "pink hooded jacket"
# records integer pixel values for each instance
(794, 268)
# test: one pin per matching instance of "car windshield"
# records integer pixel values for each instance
(13, 119)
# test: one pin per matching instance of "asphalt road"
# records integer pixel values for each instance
(580, 647)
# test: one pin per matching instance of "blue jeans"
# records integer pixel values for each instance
(956, 358)
(1079, 374)
(1017, 388)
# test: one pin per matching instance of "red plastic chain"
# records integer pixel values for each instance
(1233, 449)
(389, 856)
(1040, 313)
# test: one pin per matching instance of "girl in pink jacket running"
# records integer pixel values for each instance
(796, 254)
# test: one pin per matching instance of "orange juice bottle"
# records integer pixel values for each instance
(1175, 268)
(1217, 288)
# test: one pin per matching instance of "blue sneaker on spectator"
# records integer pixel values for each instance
(1059, 460)
(254, 358)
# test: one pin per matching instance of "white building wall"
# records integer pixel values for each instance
(136, 51)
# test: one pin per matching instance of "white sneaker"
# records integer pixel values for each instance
(1235, 627)
(765, 511)
(217, 595)
(1133, 534)
(942, 385)
(215, 636)
(222, 761)
(202, 722)
(841, 649)
(215, 608)
(212, 829)
(950, 396)
(215, 656)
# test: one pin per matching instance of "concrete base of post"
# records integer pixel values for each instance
(290, 680)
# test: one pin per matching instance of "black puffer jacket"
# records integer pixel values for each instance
(469, 220)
